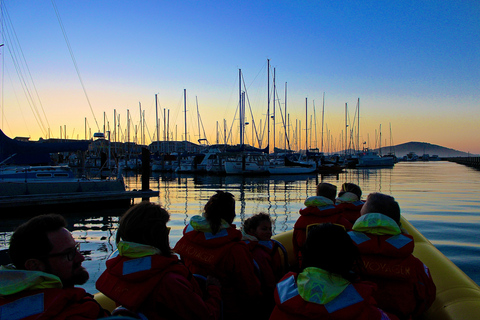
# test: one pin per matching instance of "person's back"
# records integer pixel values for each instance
(326, 288)
(349, 201)
(319, 209)
(212, 246)
(146, 278)
(46, 267)
(405, 286)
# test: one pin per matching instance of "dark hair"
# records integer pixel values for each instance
(254, 221)
(220, 206)
(327, 190)
(329, 247)
(30, 239)
(146, 223)
(384, 204)
(350, 187)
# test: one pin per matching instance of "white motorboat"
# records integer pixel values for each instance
(369, 158)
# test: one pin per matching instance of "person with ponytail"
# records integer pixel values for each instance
(212, 246)
(147, 280)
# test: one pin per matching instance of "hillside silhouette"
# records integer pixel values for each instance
(421, 148)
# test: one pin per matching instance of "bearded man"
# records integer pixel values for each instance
(47, 264)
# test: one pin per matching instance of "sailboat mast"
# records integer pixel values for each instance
(156, 118)
(268, 105)
(185, 110)
(323, 117)
(240, 103)
(346, 130)
(306, 125)
(286, 120)
(274, 110)
(198, 118)
(358, 124)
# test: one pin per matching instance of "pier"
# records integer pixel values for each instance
(473, 162)
(70, 202)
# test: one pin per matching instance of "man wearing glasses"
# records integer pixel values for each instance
(47, 264)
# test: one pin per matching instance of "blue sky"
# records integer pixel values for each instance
(415, 65)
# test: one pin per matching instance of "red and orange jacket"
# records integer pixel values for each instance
(405, 285)
(224, 256)
(158, 287)
(22, 298)
(349, 206)
(319, 210)
(352, 301)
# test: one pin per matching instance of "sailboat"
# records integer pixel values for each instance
(245, 162)
(286, 164)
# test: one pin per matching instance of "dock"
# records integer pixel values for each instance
(473, 162)
(71, 201)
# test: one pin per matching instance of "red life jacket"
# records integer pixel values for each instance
(69, 303)
(155, 285)
(129, 282)
(355, 302)
(224, 256)
(405, 286)
(350, 210)
(312, 216)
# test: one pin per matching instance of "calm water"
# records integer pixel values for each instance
(441, 199)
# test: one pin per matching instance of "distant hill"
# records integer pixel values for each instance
(420, 148)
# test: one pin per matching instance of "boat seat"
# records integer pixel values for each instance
(284, 254)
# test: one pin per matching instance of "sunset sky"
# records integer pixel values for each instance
(414, 65)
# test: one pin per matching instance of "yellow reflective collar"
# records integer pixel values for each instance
(320, 286)
(14, 281)
(136, 250)
(376, 223)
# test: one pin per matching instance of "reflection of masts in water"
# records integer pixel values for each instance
(242, 200)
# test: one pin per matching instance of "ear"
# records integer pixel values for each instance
(34, 265)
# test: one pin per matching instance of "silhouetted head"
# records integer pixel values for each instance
(329, 247)
(220, 206)
(351, 187)
(259, 225)
(327, 190)
(44, 244)
(146, 223)
(382, 203)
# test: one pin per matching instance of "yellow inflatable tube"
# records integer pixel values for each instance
(458, 296)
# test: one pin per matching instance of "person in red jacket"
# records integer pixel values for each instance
(405, 286)
(320, 209)
(47, 264)
(147, 279)
(326, 288)
(211, 245)
(257, 235)
(349, 201)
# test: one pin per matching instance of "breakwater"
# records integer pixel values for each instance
(468, 161)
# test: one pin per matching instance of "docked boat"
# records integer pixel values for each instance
(247, 163)
(208, 161)
(411, 156)
(457, 296)
(369, 158)
(47, 187)
(284, 165)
